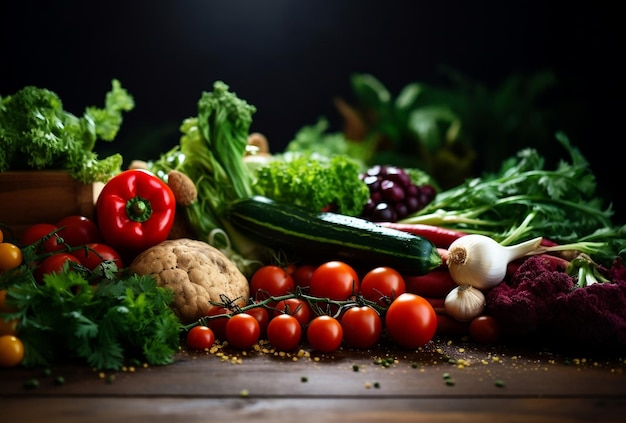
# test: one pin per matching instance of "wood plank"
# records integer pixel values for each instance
(347, 386)
(473, 372)
(302, 410)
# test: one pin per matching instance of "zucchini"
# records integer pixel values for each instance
(331, 235)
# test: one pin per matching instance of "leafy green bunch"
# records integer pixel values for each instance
(314, 183)
(100, 318)
(36, 133)
(210, 152)
(524, 200)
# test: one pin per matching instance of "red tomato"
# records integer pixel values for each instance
(78, 230)
(262, 316)
(200, 338)
(411, 321)
(485, 329)
(335, 280)
(290, 268)
(382, 285)
(218, 325)
(54, 264)
(242, 331)
(96, 253)
(324, 334)
(302, 275)
(284, 332)
(37, 231)
(270, 280)
(295, 307)
(361, 327)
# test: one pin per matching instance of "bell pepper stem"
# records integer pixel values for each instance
(138, 209)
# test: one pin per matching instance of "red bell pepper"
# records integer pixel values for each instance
(135, 211)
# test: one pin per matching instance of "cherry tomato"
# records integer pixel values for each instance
(11, 351)
(284, 332)
(411, 321)
(270, 280)
(324, 334)
(302, 275)
(262, 316)
(335, 280)
(485, 329)
(10, 256)
(290, 268)
(295, 307)
(218, 325)
(96, 253)
(382, 285)
(78, 230)
(200, 338)
(36, 232)
(361, 327)
(54, 264)
(242, 331)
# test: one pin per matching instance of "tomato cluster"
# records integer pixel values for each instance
(74, 240)
(322, 306)
(11, 348)
(52, 248)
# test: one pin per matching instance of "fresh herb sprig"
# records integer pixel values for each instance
(103, 318)
(524, 200)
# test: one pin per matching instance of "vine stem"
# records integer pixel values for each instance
(313, 301)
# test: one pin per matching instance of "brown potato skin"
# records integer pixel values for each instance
(196, 272)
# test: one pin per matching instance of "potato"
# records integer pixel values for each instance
(197, 272)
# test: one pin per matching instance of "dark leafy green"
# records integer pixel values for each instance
(101, 319)
(524, 200)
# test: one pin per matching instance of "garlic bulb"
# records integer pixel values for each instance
(464, 303)
(480, 261)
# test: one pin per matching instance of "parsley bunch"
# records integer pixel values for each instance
(524, 200)
(106, 324)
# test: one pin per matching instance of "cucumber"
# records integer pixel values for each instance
(332, 236)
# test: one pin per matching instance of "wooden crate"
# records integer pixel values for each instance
(29, 197)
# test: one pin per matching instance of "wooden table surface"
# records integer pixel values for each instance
(447, 380)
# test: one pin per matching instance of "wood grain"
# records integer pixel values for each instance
(444, 381)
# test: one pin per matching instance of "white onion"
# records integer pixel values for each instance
(480, 261)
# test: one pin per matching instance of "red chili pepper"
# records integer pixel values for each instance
(135, 211)
(435, 284)
(440, 237)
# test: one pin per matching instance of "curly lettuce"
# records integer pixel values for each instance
(314, 182)
(36, 133)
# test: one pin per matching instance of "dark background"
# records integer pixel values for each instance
(290, 58)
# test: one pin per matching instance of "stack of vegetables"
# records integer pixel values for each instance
(283, 206)
(489, 249)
